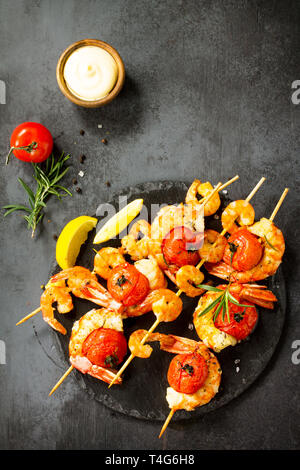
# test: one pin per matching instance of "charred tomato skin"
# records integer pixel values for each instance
(187, 372)
(242, 320)
(180, 246)
(243, 250)
(127, 285)
(105, 347)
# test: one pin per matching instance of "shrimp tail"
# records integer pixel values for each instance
(221, 270)
(262, 297)
(86, 367)
(101, 297)
(177, 344)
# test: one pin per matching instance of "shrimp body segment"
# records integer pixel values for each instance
(82, 328)
(237, 213)
(213, 246)
(61, 296)
(106, 259)
(273, 249)
(152, 271)
(164, 303)
(203, 189)
(187, 278)
(131, 245)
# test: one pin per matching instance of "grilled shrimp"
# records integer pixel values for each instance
(83, 284)
(133, 246)
(150, 269)
(106, 259)
(204, 189)
(64, 305)
(213, 247)
(237, 211)
(164, 303)
(273, 249)
(187, 278)
(82, 328)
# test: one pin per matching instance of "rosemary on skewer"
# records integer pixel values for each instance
(220, 303)
(47, 185)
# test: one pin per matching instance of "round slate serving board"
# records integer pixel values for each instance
(143, 392)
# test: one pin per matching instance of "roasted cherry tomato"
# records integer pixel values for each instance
(31, 142)
(187, 372)
(127, 285)
(105, 347)
(243, 251)
(180, 246)
(242, 319)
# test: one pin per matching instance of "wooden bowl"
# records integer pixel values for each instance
(62, 83)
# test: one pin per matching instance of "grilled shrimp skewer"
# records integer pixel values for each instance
(97, 345)
(194, 374)
(71, 280)
(259, 251)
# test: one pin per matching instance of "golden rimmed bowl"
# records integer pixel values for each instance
(62, 83)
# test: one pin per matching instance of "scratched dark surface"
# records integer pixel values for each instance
(207, 94)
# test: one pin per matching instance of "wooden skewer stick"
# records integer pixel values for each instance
(165, 425)
(232, 180)
(37, 310)
(61, 380)
(279, 204)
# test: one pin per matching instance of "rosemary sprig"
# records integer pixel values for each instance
(220, 303)
(47, 184)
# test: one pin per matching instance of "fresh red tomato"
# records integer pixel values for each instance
(127, 285)
(187, 372)
(180, 246)
(105, 347)
(31, 142)
(242, 320)
(243, 251)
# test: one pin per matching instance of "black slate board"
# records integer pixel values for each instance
(142, 394)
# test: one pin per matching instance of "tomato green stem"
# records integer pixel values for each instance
(28, 149)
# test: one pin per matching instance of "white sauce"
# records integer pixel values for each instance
(90, 73)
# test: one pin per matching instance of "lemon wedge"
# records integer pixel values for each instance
(119, 221)
(73, 235)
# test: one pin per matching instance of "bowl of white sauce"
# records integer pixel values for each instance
(90, 73)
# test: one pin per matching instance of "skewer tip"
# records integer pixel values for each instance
(166, 423)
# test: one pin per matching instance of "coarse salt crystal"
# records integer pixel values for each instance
(81, 174)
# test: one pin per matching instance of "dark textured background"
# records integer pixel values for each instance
(207, 94)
